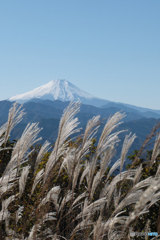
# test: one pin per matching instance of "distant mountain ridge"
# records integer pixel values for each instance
(59, 89)
(48, 114)
(63, 90)
(45, 105)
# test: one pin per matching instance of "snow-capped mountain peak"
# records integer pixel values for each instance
(59, 89)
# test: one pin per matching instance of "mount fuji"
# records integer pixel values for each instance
(62, 90)
(46, 103)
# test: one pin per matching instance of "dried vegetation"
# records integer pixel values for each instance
(64, 195)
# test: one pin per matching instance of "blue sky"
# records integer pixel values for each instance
(110, 49)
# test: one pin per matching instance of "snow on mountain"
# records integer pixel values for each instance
(63, 90)
(54, 90)
(59, 89)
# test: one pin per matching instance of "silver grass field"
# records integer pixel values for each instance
(71, 197)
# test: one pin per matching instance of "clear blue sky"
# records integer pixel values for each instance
(109, 48)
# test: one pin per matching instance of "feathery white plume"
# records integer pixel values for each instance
(2, 131)
(33, 231)
(67, 126)
(4, 215)
(84, 194)
(126, 145)
(6, 202)
(146, 196)
(85, 172)
(138, 175)
(20, 151)
(52, 195)
(156, 150)
(106, 140)
(49, 217)
(66, 199)
(37, 179)
(129, 199)
(85, 224)
(7, 181)
(158, 171)
(110, 186)
(90, 131)
(19, 213)
(14, 117)
(23, 179)
(92, 208)
(110, 125)
(45, 148)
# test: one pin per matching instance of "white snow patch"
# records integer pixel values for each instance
(58, 89)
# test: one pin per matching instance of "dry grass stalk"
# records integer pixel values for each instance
(89, 200)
